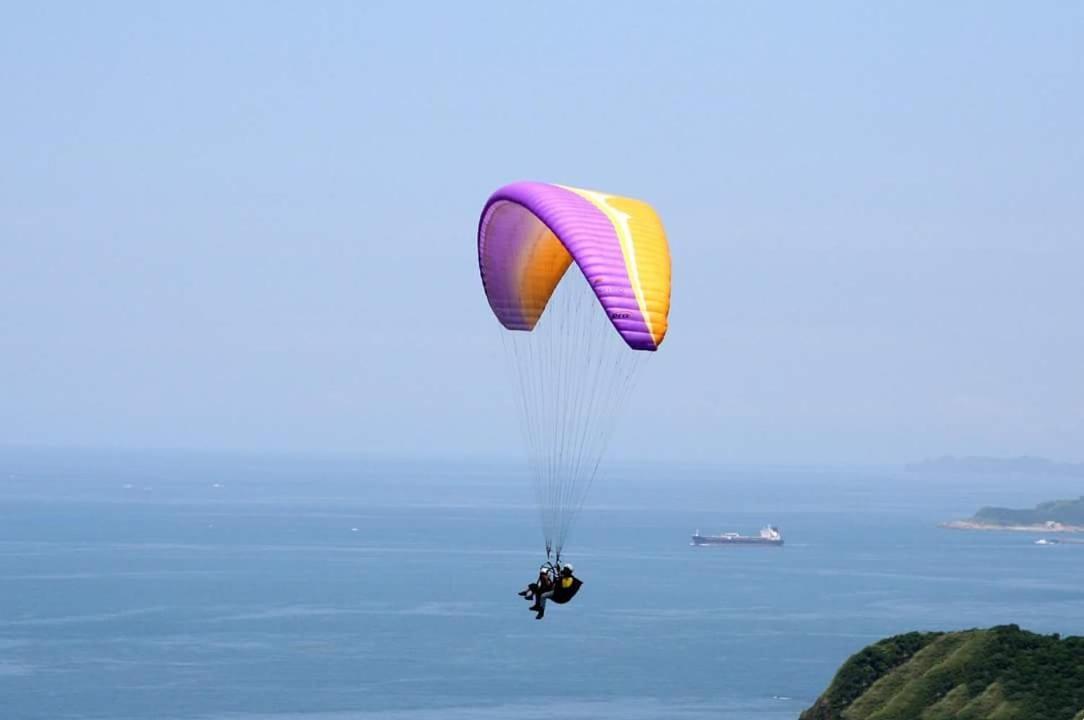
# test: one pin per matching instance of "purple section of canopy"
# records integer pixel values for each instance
(586, 233)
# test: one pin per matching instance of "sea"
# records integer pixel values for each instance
(225, 586)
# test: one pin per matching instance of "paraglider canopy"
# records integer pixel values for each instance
(530, 232)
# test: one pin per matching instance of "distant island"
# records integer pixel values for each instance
(1004, 672)
(1053, 516)
(1024, 465)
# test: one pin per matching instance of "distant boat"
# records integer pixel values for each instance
(1045, 541)
(768, 536)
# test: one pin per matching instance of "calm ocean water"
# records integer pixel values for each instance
(171, 585)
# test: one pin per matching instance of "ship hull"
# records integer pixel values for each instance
(700, 540)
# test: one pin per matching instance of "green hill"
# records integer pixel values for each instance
(1004, 673)
(1067, 512)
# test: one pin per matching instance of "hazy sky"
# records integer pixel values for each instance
(251, 225)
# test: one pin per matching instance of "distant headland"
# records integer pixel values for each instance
(1053, 516)
(1023, 465)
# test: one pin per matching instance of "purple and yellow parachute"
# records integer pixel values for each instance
(531, 232)
(575, 374)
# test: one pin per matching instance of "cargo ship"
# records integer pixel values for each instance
(768, 536)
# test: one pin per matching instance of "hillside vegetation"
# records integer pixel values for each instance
(1003, 673)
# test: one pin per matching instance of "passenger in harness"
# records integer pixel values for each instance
(564, 588)
(544, 583)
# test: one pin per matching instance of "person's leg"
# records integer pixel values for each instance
(540, 604)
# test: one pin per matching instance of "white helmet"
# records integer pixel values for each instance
(569, 568)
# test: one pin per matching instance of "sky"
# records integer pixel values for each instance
(252, 225)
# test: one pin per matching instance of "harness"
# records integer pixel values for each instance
(560, 592)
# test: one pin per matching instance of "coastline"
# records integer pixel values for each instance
(1036, 528)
